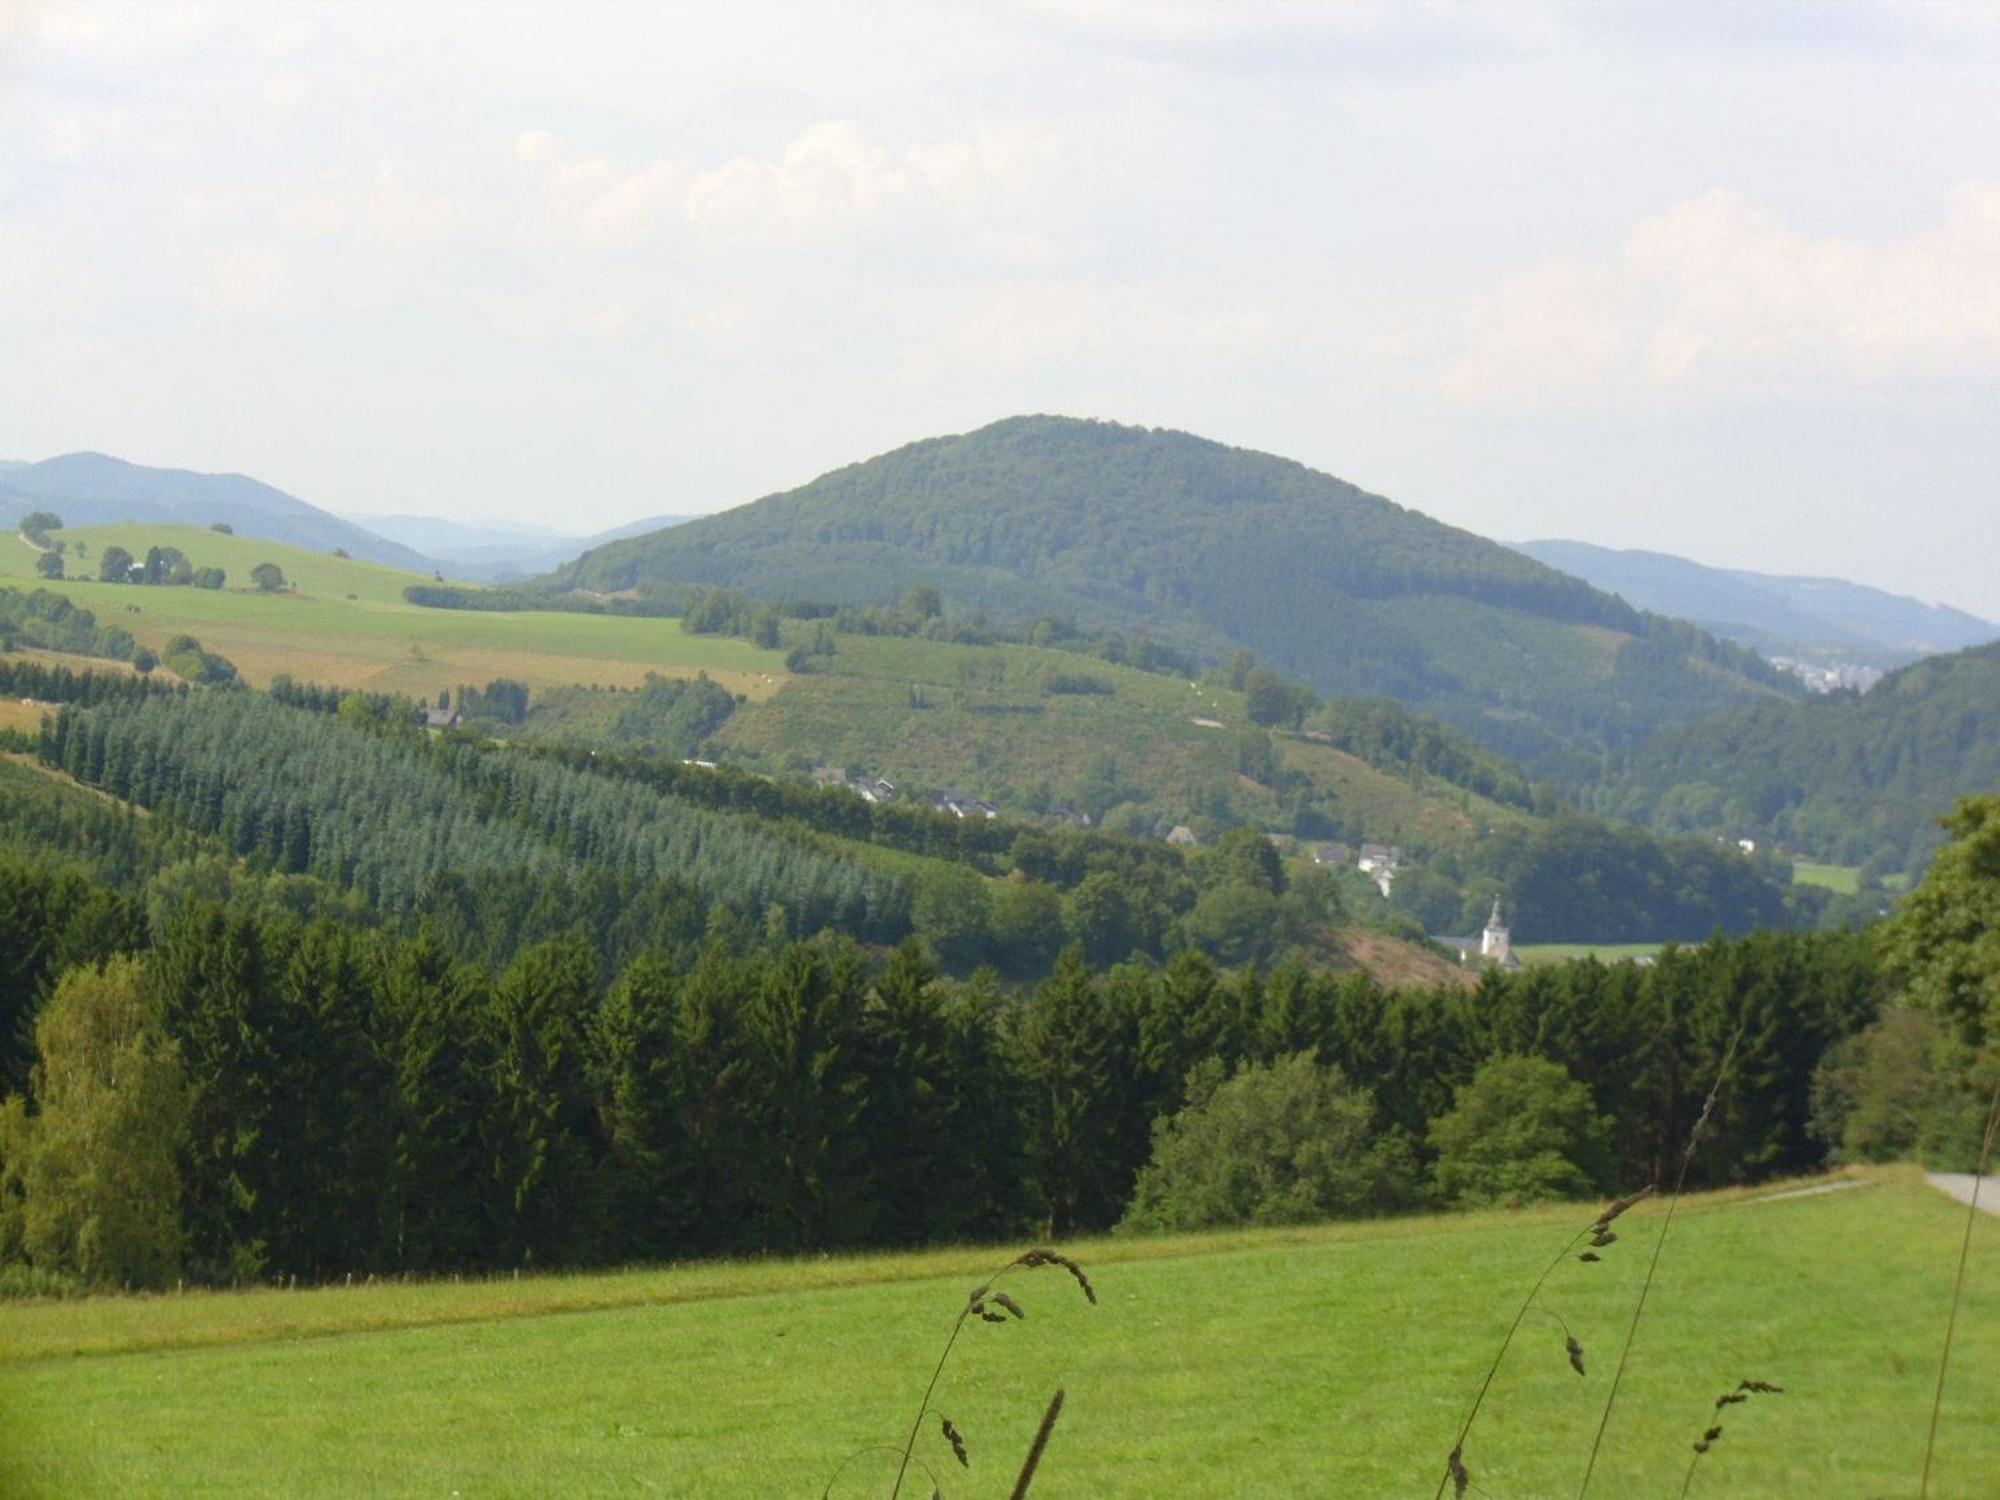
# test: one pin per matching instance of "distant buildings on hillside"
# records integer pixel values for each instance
(1380, 862)
(1846, 676)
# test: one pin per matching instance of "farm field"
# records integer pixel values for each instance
(1325, 1361)
(347, 623)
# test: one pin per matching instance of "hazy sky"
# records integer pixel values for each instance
(1720, 279)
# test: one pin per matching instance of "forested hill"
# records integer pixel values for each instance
(1213, 548)
(1853, 779)
(94, 489)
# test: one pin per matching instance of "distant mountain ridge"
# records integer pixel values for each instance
(500, 552)
(1213, 549)
(1774, 613)
(95, 489)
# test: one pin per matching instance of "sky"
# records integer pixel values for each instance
(1715, 279)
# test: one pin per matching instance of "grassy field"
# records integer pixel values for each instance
(347, 623)
(1842, 880)
(1562, 953)
(1323, 1362)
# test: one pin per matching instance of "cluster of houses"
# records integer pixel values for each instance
(881, 789)
(867, 788)
(1379, 862)
(1847, 676)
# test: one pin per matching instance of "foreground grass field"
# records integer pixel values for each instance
(1324, 1362)
(347, 623)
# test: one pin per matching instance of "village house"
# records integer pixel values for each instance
(961, 806)
(1380, 862)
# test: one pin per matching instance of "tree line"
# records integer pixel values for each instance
(341, 1101)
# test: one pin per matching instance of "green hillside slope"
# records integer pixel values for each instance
(1006, 724)
(1213, 548)
(346, 622)
(1853, 780)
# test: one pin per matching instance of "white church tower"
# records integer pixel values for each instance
(1493, 945)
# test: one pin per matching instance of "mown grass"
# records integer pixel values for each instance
(1562, 953)
(346, 623)
(1326, 1361)
(1842, 880)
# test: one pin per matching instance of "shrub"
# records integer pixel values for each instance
(1903, 1088)
(1522, 1131)
(1234, 922)
(1278, 1143)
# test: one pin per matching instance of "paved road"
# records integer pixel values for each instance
(1959, 1185)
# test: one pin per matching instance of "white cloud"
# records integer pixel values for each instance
(834, 180)
(384, 210)
(1718, 293)
(285, 92)
(1194, 22)
(113, 34)
(249, 279)
(1042, 327)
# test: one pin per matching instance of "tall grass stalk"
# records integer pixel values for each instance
(1958, 1284)
(1454, 1464)
(991, 1307)
(1653, 1266)
(1038, 1447)
(1598, 1231)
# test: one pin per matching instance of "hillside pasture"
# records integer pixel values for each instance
(347, 624)
(1335, 1360)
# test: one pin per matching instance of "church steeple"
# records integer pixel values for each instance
(1493, 942)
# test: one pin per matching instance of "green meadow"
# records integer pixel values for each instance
(1532, 954)
(347, 623)
(1328, 1361)
(1842, 880)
